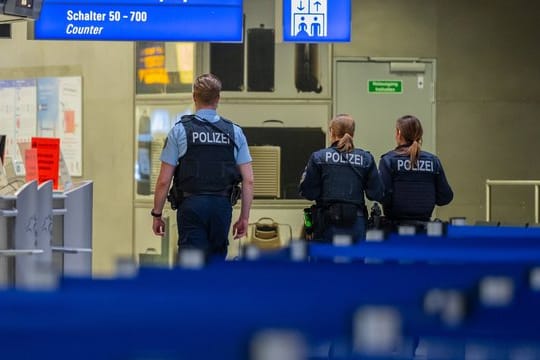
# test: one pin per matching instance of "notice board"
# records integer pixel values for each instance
(42, 107)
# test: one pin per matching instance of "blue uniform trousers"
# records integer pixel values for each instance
(357, 231)
(203, 223)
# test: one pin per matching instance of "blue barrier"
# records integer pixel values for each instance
(493, 232)
(213, 313)
(471, 253)
(234, 300)
(464, 242)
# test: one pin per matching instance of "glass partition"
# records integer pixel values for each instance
(164, 67)
(153, 124)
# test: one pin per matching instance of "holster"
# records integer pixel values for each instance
(317, 218)
(341, 214)
(236, 194)
(175, 197)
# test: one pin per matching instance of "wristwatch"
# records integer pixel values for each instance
(156, 215)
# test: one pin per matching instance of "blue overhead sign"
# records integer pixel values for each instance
(141, 20)
(317, 20)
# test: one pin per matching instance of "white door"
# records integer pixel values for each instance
(377, 93)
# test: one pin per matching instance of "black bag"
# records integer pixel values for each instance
(341, 214)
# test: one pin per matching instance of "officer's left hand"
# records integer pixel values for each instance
(158, 226)
(240, 228)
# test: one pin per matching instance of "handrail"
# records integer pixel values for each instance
(535, 183)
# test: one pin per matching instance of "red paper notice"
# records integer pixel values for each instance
(48, 158)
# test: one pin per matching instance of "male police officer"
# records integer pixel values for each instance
(208, 155)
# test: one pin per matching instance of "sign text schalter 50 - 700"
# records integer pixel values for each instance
(110, 16)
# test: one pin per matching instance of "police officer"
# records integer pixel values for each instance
(337, 179)
(207, 155)
(414, 179)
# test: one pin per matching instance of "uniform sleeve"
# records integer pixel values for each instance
(310, 183)
(175, 145)
(374, 189)
(242, 153)
(444, 193)
(385, 172)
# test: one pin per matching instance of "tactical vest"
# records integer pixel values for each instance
(413, 197)
(344, 175)
(209, 164)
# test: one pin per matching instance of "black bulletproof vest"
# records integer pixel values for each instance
(208, 164)
(344, 176)
(414, 188)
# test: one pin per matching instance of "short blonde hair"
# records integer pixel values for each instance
(206, 88)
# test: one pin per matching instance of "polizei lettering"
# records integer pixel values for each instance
(210, 138)
(344, 158)
(419, 165)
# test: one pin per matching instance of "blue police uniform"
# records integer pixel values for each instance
(337, 182)
(207, 150)
(413, 190)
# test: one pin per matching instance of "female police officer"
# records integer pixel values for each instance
(337, 178)
(414, 180)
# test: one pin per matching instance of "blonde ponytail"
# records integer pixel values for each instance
(414, 151)
(342, 127)
(411, 131)
(345, 144)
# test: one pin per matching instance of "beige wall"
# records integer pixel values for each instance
(488, 100)
(487, 96)
(107, 73)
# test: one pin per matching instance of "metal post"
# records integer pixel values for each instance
(536, 201)
(488, 201)
(535, 183)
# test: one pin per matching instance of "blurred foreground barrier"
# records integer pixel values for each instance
(220, 310)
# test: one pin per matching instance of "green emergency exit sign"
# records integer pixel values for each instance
(385, 86)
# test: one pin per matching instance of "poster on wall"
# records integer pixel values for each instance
(17, 116)
(7, 115)
(44, 107)
(59, 115)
